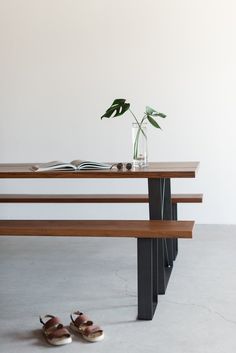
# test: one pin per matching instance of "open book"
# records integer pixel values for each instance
(74, 165)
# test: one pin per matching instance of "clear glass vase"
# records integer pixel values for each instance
(139, 141)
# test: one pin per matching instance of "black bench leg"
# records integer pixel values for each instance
(147, 278)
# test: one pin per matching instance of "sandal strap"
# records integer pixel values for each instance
(45, 316)
(54, 321)
(61, 332)
(81, 319)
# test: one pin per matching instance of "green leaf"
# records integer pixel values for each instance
(153, 112)
(153, 122)
(161, 115)
(118, 107)
(150, 111)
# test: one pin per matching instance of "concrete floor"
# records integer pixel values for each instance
(98, 276)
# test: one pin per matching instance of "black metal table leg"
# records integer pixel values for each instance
(160, 208)
(167, 214)
(147, 297)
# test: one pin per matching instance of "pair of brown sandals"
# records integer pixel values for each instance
(57, 334)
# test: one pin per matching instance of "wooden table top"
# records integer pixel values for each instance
(154, 170)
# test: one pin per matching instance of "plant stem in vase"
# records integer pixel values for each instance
(139, 128)
(139, 140)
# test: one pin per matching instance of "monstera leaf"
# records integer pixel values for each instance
(151, 114)
(118, 107)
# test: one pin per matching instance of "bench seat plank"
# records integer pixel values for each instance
(98, 228)
(93, 198)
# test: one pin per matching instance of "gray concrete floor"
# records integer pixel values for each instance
(98, 276)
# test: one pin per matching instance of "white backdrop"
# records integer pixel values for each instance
(62, 62)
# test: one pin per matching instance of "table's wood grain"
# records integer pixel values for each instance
(153, 170)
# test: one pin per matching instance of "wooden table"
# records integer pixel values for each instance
(152, 253)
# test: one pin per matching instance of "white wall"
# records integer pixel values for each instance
(62, 62)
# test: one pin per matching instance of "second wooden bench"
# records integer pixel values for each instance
(104, 198)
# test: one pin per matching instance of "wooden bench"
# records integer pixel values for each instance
(167, 232)
(98, 228)
(146, 231)
(105, 198)
(94, 198)
(172, 246)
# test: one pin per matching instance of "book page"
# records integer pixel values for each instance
(90, 165)
(54, 165)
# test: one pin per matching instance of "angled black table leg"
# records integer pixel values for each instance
(155, 190)
(160, 208)
(147, 297)
(167, 243)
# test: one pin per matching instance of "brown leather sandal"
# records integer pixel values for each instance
(84, 326)
(55, 333)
